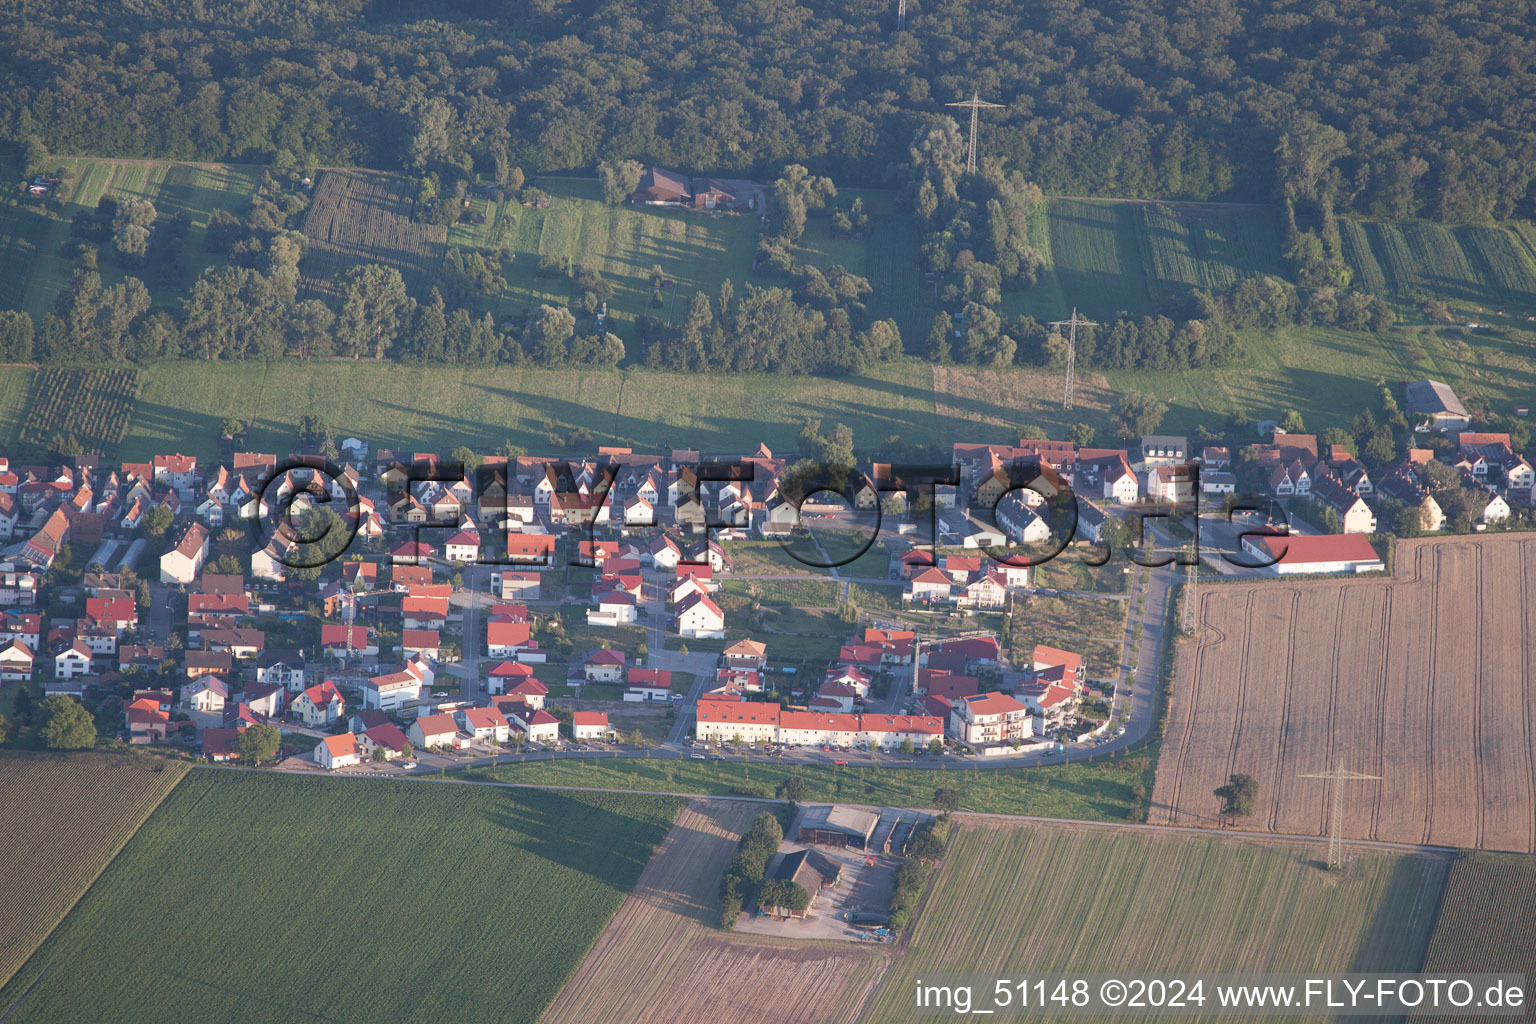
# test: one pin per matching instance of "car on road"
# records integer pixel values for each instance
(696, 757)
(1120, 731)
(408, 765)
(839, 761)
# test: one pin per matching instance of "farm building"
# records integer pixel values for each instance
(809, 869)
(833, 825)
(1328, 553)
(1432, 405)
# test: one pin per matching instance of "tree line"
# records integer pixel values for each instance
(1395, 110)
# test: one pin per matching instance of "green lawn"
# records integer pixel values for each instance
(1028, 901)
(281, 898)
(1100, 791)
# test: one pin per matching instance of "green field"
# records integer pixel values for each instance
(52, 858)
(1098, 791)
(280, 898)
(1109, 257)
(31, 234)
(1486, 922)
(1421, 260)
(1020, 901)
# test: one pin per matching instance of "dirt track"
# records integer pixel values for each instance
(1424, 679)
(662, 960)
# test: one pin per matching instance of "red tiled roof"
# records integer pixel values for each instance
(1333, 547)
(589, 718)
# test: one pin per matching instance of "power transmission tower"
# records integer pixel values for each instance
(975, 103)
(1339, 776)
(1072, 326)
(901, 14)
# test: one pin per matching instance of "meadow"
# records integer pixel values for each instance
(1100, 790)
(1035, 901)
(284, 898)
(52, 858)
(32, 234)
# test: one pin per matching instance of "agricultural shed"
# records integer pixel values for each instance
(834, 825)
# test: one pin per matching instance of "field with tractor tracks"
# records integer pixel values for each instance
(1423, 679)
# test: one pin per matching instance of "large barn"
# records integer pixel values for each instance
(837, 826)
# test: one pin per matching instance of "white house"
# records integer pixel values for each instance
(989, 718)
(72, 661)
(320, 705)
(614, 608)
(206, 693)
(698, 617)
(391, 692)
(338, 752)
(183, 562)
(430, 732)
(484, 724)
(463, 546)
(538, 726)
(16, 660)
(588, 726)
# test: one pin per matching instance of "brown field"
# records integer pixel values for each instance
(365, 217)
(63, 817)
(1485, 922)
(1423, 679)
(661, 959)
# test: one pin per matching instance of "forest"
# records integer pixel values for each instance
(1396, 110)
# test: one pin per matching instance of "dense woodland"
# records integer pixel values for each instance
(1400, 109)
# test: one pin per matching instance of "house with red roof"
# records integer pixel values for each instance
(929, 586)
(538, 725)
(720, 721)
(320, 705)
(221, 745)
(412, 552)
(505, 638)
(435, 732)
(425, 642)
(988, 719)
(339, 640)
(590, 726)
(148, 721)
(1046, 657)
(648, 684)
(486, 725)
(385, 736)
(603, 666)
(338, 752)
(463, 547)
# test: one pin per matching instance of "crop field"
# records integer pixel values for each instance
(31, 234)
(52, 858)
(1423, 679)
(288, 898)
(92, 406)
(365, 217)
(1108, 257)
(662, 959)
(1421, 260)
(1485, 922)
(1035, 901)
(1096, 791)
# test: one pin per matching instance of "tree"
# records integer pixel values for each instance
(935, 746)
(259, 743)
(946, 799)
(157, 520)
(1237, 796)
(1138, 414)
(619, 180)
(5, 729)
(907, 747)
(68, 726)
(794, 789)
(1291, 422)
(374, 305)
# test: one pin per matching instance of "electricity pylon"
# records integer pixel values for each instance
(975, 103)
(1072, 325)
(1339, 776)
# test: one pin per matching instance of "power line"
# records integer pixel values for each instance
(1072, 325)
(975, 103)
(1339, 776)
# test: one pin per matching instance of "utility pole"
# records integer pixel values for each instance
(1072, 325)
(975, 103)
(1339, 776)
